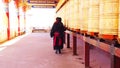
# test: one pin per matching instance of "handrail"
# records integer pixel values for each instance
(96, 43)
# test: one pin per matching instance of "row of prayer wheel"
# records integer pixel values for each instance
(92, 17)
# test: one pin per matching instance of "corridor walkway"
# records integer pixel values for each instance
(35, 51)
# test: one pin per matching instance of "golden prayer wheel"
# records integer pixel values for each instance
(84, 4)
(72, 15)
(73, 6)
(93, 18)
(119, 28)
(108, 27)
(119, 23)
(77, 15)
(65, 13)
(68, 14)
(73, 23)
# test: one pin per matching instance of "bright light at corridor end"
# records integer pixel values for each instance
(41, 18)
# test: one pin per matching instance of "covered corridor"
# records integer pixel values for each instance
(92, 36)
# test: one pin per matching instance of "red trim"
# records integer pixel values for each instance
(18, 24)
(8, 29)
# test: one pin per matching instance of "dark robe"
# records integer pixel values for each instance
(57, 32)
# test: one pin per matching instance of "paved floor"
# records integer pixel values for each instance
(35, 51)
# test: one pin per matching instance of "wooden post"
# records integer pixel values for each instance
(74, 45)
(112, 55)
(87, 55)
(116, 62)
(68, 40)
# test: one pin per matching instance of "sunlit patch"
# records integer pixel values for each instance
(10, 42)
(2, 48)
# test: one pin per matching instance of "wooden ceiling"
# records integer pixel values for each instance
(42, 3)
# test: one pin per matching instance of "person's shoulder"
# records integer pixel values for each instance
(54, 23)
(61, 23)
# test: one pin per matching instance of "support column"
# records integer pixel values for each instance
(17, 6)
(74, 45)
(6, 2)
(24, 7)
(112, 56)
(24, 22)
(87, 55)
(68, 40)
(116, 62)
(18, 23)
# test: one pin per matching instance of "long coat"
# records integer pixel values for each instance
(57, 32)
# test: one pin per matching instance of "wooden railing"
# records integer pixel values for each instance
(114, 51)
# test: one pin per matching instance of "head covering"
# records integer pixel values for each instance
(58, 19)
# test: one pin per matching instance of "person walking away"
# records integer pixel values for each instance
(57, 32)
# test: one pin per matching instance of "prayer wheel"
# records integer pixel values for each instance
(6, 7)
(67, 14)
(68, 10)
(93, 18)
(119, 23)
(64, 14)
(70, 16)
(84, 15)
(76, 16)
(108, 26)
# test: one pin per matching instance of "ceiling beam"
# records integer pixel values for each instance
(43, 4)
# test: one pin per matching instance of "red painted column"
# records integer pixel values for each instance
(87, 55)
(24, 22)
(18, 23)
(74, 45)
(68, 40)
(24, 10)
(116, 62)
(17, 6)
(6, 2)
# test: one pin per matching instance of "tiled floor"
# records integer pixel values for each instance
(35, 51)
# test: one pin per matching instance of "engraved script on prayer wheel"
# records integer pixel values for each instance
(108, 26)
